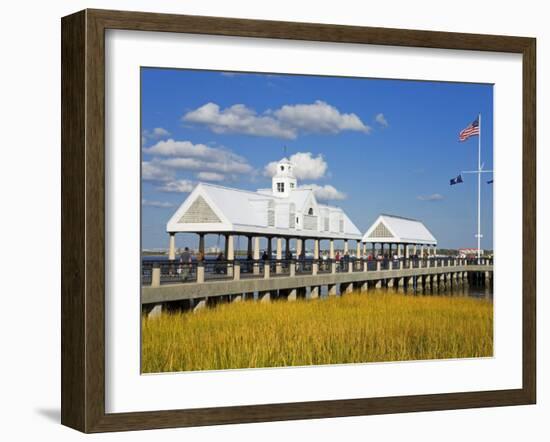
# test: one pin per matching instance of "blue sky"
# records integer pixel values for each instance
(371, 146)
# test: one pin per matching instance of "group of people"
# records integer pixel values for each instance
(187, 257)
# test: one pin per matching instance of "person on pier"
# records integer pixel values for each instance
(185, 264)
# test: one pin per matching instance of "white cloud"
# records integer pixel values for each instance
(326, 192)
(210, 176)
(285, 122)
(194, 164)
(150, 171)
(432, 197)
(306, 166)
(318, 117)
(155, 134)
(157, 204)
(179, 186)
(184, 155)
(237, 119)
(171, 147)
(381, 120)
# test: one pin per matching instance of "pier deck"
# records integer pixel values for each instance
(163, 293)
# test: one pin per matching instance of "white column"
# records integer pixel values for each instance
(287, 247)
(299, 244)
(249, 247)
(256, 248)
(172, 247)
(346, 246)
(230, 253)
(315, 256)
(279, 255)
(256, 255)
(331, 256)
(201, 244)
(358, 249)
(230, 247)
(269, 247)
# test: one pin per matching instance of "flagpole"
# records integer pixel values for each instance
(479, 190)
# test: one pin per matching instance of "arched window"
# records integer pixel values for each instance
(310, 211)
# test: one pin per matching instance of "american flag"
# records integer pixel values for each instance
(470, 131)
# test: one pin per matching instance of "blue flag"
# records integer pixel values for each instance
(456, 180)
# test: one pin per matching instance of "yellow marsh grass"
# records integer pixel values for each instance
(353, 328)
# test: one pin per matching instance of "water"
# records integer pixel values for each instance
(462, 290)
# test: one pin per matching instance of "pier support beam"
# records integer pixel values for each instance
(264, 296)
(428, 284)
(314, 292)
(364, 287)
(332, 291)
(401, 285)
(346, 288)
(200, 304)
(172, 247)
(292, 295)
(155, 312)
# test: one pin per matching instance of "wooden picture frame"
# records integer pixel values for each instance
(83, 220)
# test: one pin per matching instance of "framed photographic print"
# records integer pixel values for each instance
(269, 221)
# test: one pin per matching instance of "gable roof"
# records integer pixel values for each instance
(214, 208)
(397, 229)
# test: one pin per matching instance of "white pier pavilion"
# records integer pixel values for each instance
(286, 212)
(402, 236)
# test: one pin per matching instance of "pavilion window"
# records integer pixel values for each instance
(271, 214)
(292, 216)
(281, 187)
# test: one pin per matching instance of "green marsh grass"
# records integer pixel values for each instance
(354, 328)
